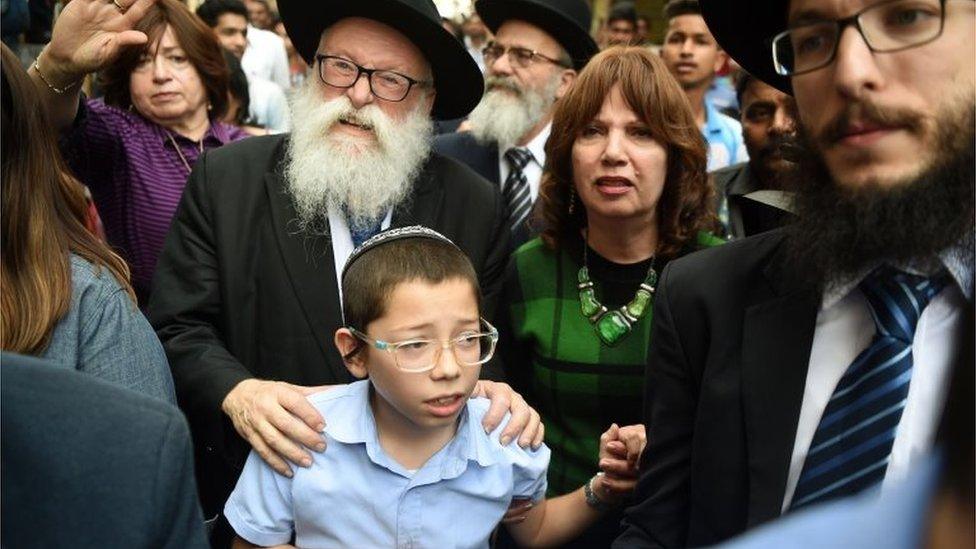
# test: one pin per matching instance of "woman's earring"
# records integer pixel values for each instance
(572, 201)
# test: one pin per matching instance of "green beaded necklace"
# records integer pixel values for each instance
(612, 326)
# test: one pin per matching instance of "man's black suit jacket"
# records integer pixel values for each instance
(88, 464)
(240, 292)
(483, 159)
(732, 331)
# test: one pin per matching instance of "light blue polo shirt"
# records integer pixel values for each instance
(354, 495)
(724, 136)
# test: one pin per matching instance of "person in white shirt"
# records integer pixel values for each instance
(810, 363)
(268, 106)
(265, 57)
(538, 47)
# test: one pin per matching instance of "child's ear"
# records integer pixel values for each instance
(346, 343)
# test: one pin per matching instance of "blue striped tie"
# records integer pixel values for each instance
(852, 444)
(516, 188)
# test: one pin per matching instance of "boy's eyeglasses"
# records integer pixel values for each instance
(886, 27)
(471, 348)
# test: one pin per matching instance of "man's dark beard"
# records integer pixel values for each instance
(842, 231)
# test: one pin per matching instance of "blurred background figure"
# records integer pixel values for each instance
(624, 192)
(621, 26)
(476, 37)
(755, 196)
(84, 463)
(642, 31)
(265, 56)
(259, 14)
(297, 68)
(66, 297)
(268, 107)
(452, 27)
(163, 102)
(693, 57)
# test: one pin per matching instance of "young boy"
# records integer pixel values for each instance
(408, 464)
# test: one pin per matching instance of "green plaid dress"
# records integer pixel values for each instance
(554, 358)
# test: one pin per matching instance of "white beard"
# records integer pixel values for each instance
(363, 178)
(503, 117)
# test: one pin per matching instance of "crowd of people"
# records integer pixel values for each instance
(353, 274)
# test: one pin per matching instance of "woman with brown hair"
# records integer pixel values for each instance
(623, 192)
(165, 85)
(65, 296)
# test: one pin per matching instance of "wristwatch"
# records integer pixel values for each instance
(592, 499)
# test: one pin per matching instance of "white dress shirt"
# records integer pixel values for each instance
(532, 170)
(265, 57)
(268, 107)
(845, 328)
(342, 246)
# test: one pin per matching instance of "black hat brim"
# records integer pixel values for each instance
(458, 82)
(745, 31)
(576, 41)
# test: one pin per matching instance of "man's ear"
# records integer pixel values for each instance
(346, 343)
(720, 61)
(566, 80)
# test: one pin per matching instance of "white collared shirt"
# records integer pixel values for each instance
(532, 170)
(845, 328)
(342, 246)
(265, 57)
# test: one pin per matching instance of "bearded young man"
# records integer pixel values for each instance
(811, 363)
(538, 47)
(246, 293)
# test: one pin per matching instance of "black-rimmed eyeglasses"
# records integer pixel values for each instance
(520, 57)
(340, 72)
(886, 27)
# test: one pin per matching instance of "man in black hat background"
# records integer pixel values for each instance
(246, 293)
(811, 362)
(538, 47)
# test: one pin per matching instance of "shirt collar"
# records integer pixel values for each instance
(538, 145)
(957, 260)
(353, 423)
(712, 123)
(218, 134)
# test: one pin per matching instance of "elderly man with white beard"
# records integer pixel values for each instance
(539, 46)
(246, 296)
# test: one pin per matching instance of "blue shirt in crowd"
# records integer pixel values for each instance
(354, 495)
(724, 137)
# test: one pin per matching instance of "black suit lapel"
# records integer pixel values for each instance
(310, 266)
(425, 202)
(493, 167)
(777, 335)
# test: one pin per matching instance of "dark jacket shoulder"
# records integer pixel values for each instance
(463, 146)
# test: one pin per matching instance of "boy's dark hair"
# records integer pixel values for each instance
(623, 12)
(675, 8)
(369, 281)
(211, 10)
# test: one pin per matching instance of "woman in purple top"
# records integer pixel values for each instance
(165, 84)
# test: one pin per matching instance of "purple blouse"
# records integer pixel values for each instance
(136, 177)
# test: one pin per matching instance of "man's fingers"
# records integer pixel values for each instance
(282, 445)
(500, 403)
(135, 12)
(521, 414)
(618, 468)
(296, 430)
(618, 486)
(540, 435)
(312, 390)
(269, 456)
(130, 38)
(295, 402)
(617, 448)
(528, 434)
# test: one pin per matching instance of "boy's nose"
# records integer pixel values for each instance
(446, 365)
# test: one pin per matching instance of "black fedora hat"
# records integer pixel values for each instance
(745, 30)
(457, 80)
(567, 21)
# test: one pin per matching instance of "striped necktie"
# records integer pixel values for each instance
(516, 188)
(852, 444)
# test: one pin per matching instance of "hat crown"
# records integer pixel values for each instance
(567, 21)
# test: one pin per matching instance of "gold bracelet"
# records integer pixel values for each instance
(59, 91)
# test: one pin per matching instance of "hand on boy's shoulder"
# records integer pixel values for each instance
(477, 408)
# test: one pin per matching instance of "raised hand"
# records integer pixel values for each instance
(620, 450)
(90, 34)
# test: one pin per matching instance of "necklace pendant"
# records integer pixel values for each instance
(612, 327)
